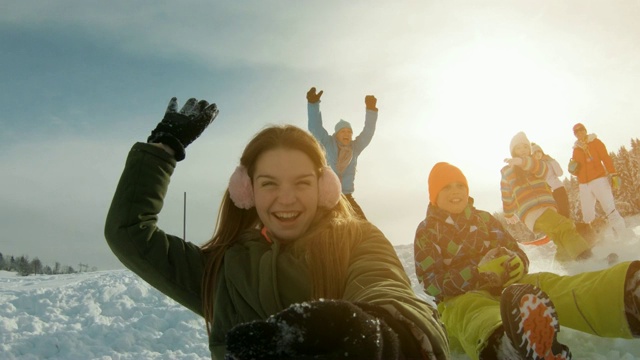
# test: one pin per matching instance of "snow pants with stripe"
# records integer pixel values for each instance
(471, 318)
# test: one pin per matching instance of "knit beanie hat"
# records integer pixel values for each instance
(519, 138)
(535, 147)
(578, 126)
(443, 174)
(342, 124)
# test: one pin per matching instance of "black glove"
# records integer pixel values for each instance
(312, 97)
(371, 101)
(179, 129)
(329, 329)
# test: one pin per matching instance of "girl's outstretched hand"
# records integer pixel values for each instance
(325, 329)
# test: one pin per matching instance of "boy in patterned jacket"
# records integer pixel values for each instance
(492, 308)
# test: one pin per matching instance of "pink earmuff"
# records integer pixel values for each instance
(329, 188)
(241, 191)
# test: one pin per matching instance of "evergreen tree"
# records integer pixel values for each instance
(23, 266)
(36, 266)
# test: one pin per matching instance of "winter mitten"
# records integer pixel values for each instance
(329, 329)
(615, 181)
(312, 96)
(370, 101)
(179, 129)
(573, 167)
(503, 262)
(516, 161)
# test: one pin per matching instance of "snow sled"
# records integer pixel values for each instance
(540, 239)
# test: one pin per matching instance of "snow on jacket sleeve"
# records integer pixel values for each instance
(166, 262)
(376, 275)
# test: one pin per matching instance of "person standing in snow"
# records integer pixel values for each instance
(527, 196)
(290, 271)
(554, 171)
(342, 150)
(491, 306)
(594, 171)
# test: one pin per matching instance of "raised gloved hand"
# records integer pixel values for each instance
(179, 129)
(370, 101)
(616, 181)
(326, 329)
(501, 266)
(312, 96)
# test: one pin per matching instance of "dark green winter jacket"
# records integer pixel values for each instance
(257, 278)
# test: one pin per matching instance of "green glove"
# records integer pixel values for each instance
(515, 269)
(509, 268)
(616, 181)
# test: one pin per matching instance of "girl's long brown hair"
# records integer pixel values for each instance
(327, 235)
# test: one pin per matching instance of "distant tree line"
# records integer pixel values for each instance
(627, 197)
(23, 266)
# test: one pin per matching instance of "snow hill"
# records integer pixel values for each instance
(113, 315)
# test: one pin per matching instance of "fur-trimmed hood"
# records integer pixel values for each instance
(590, 138)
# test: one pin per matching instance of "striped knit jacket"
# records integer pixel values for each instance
(525, 188)
(449, 247)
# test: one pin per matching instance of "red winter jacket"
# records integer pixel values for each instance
(595, 161)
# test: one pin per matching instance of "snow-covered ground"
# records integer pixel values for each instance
(113, 315)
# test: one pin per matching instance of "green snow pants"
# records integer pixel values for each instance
(471, 318)
(564, 234)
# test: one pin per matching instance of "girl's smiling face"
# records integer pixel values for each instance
(522, 150)
(285, 187)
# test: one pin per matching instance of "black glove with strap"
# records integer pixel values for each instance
(326, 329)
(179, 129)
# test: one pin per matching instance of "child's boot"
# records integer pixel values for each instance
(531, 324)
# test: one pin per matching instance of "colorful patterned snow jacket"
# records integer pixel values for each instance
(448, 248)
(330, 143)
(525, 188)
(257, 278)
(595, 161)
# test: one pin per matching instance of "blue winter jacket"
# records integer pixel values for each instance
(330, 143)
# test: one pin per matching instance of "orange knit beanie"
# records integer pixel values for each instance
(443, 174)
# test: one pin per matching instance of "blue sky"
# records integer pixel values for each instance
(455, 80)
